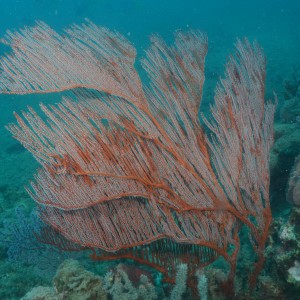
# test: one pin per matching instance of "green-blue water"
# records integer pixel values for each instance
(276, 27)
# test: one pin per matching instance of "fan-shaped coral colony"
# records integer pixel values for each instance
(127, 170)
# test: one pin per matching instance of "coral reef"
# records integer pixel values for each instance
(71, 281)
(119, 286)
(74, 282)
(41, 293)
(294, 273)
(19, 238)
(291, 92)
(117, 153)
(287, 137)
(293, 193)
(283, 254)
(281, 275)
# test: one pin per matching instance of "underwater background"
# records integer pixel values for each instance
(274, 24)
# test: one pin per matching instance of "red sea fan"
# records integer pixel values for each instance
(126, 166)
